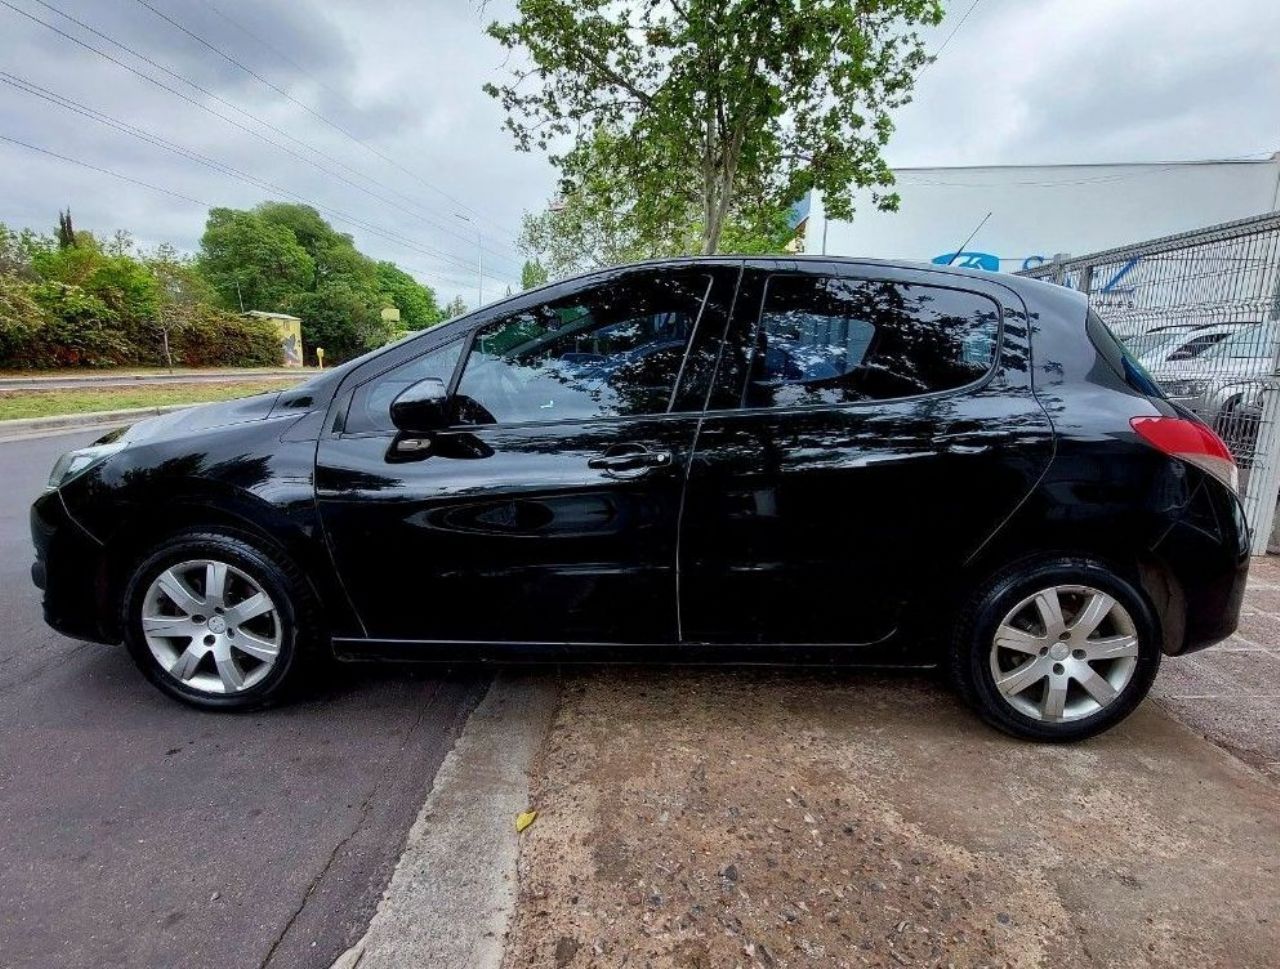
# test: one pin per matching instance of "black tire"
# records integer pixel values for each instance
(970, 654)
(296, 610)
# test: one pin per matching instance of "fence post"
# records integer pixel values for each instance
(1264, 477)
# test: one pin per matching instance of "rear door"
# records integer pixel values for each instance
(547, 513)
(869, 429)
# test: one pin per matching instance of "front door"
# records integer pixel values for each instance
(547, 512)
(871, 429)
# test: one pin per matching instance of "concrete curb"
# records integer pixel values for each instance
(36, 426)
(453, 892)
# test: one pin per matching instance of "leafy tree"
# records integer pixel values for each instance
(340, 318)
(183, 295)
(533, 274)
(21, 319)
(178, 277)
(120, 244)
(714, 105)
(416, 302)
(287, 258)
(252, 263)
(580, 233)
(455, 308)
(66, 231)
(17, 250)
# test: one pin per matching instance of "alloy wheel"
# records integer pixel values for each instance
(1064, 653)
(211, 626)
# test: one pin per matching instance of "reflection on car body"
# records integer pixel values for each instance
(800, 460)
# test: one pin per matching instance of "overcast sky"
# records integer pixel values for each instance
(1022, 81)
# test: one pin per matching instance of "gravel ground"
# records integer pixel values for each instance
(696, 818)
(1230, 693)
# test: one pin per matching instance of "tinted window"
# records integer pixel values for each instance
(1247, 343)
(1121, 359)
(371, 404)
(1154, 340)
(613, 350)
(835, 341)
(1197, 345)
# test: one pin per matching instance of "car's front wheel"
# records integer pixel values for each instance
(216, 621)
(1058, 650)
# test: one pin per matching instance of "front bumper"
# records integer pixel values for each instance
(69, 568)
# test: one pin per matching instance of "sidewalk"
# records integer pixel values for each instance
(1230, 693)
(692, 818)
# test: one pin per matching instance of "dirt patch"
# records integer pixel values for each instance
(698, 819)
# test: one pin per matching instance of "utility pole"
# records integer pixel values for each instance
(479, 258)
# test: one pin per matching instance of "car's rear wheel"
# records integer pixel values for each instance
(1057, 650)
(218, 622)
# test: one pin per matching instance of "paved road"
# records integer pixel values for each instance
(134, 831)
(90, 382)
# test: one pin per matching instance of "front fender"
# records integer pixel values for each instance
(252, 481)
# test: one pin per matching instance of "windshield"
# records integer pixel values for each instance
(1144, 343)
(1248, 343)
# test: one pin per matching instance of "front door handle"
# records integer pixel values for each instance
(631, 462)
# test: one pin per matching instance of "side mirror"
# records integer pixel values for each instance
(423, 406)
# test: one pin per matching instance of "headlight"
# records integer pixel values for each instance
(75, 463)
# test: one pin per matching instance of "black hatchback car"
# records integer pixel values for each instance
(798, 460)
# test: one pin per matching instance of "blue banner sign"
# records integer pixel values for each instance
(969, 260)
(983, 260)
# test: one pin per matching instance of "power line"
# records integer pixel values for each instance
(442, 226)
(222, 168)
(310, 110)
(104, 171)
(276, 51)
(955, 30)
(137, 181)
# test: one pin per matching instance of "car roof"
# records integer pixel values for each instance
(1023, 285)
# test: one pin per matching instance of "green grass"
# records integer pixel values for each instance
(48, 403)
(72, 372)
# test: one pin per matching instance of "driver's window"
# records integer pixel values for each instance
(609, 351)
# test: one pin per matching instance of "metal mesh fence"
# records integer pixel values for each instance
(1201, 311)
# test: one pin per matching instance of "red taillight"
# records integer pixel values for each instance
(1192, 442)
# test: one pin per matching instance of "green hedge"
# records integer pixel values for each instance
(212, 338)
(51, 325)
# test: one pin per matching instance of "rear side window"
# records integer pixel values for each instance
(834, 340)
(1121, 360)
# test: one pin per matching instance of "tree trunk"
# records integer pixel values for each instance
(710, 236)
(168, 357)
(719, 193)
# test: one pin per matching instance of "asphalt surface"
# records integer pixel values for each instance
(135, 831)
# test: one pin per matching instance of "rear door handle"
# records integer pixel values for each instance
(635, 462)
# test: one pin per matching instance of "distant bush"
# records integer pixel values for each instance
(45, 325)
(208, 337)
(49, 325)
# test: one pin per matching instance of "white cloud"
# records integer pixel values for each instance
(1054, 80)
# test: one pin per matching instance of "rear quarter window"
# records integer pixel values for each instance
(1120, 360)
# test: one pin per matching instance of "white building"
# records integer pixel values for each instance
(1038, 211)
